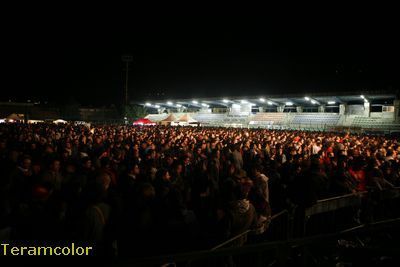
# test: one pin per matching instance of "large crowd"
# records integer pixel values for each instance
(155, 190)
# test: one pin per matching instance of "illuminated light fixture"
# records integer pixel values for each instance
(244, 101)
(262, 100)
(307, 98)
(178, 105)
(170, 103)
(365, 101)
(148, 104)
(313, 101)
(225, 100)
(270, 103)
(157, 106)
(235, 106)
(195, 102)
(252, 104)
(204, 105)
(289, 103)
(362, 96)
(331, 102)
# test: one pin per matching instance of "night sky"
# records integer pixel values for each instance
(67, 62)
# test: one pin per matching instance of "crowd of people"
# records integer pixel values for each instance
(155, 190)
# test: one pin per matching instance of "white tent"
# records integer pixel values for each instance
(186, 119)
(59, 121)
(168, 120)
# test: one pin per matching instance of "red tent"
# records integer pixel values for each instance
(143, 121)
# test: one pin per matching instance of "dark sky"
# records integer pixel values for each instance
(67, 62)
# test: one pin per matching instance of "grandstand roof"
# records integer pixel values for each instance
(275, 100)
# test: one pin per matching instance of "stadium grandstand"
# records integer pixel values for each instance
(362, 112)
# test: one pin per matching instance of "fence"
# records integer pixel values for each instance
(283, 225)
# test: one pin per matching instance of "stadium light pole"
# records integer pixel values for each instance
(126, 59)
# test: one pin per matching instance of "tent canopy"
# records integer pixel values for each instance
(59, 121)
(143, 121)
(15, 117)
(170, 118)
(186, 118)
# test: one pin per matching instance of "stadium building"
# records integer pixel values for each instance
(375, 112)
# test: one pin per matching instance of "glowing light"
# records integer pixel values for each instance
(307, 98)
(170, 103)
(270, 103)
(262, 100)
(148, 104)
(157, 106)
(204, 105)
(244, 101)
(225, 100)
(195, 102)
(313, 102)
(331, 102)
(362, 96)
(178, 105)
(289, 103)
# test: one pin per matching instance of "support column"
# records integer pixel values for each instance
(299, 109)
(261, 109)
(342, 109)
(321, 108)
(281, 108)
(367, 109)
(396, 104)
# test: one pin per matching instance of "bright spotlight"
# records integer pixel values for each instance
(170, 103)
(307, 98)
(204, 105)
(331, 102)
(366, 101)
(225, 100)
(313, 101)
(244, 101)
(157, 106)
(262, 100)
(195, 102)
(178, 105)
(269, 103)
(289, 103)
(362, 96)
(148, 104)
